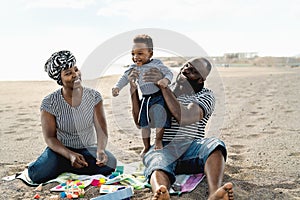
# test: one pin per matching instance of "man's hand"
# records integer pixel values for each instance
(163, 83)
(102, 158)
(134, 74)
(77, 160)
(153, 75)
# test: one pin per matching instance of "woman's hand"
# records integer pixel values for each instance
(77, 160)
(102, 158)
(153, 75)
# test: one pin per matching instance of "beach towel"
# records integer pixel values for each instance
(60, 179)
(186, 183)
(183, 183)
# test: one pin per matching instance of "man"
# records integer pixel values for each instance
(185, 151)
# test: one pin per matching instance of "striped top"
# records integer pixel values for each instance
(145, 87)
(74, 125)
(206, 100)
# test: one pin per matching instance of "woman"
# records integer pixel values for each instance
(73, 125)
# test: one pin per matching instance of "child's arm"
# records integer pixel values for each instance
(123, 81)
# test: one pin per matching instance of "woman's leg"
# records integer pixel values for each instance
(90, 157)
(48, 166)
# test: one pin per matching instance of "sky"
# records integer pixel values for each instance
(31, 30)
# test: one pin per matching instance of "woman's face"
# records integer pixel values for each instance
(71, 77)
(141, 54)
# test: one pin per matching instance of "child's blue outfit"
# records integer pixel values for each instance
(154, 112)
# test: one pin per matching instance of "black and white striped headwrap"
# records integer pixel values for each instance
(59, 61)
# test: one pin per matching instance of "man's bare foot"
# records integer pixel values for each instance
(223, 193)
(144, 151)
(161, 193)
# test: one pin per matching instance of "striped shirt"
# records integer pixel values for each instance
(145, 87)
(74, 125)
(206, 100)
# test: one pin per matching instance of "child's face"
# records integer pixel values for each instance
(141, 54)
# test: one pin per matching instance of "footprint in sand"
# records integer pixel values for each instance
(253, 136)
(288, 111)
(136, 149)
(237, 146)
(297, 154)
(269, 132)
(9, 132)
(22, 139)
(250, 125)
(235, 157)
(237, 149)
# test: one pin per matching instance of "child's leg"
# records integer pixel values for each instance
(146, 140)
(158, 139)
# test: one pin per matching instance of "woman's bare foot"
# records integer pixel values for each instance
(144, 151)
(161, 193)
(223, 193)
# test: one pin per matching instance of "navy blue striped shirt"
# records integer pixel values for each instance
(74, 125)
(206, 100)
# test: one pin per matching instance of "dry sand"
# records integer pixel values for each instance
(260, 127)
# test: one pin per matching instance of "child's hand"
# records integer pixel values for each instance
(163, 83)
(115, 92)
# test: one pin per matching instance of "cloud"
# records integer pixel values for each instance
(198, 10)
(75, 4)
(154, 10)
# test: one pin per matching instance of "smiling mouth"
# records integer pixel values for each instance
(77, 81)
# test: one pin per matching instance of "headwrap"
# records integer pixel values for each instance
(59, 61)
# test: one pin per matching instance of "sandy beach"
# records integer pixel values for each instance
(259, 124)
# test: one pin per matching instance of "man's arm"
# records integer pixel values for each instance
(135, 102)
(183, 114)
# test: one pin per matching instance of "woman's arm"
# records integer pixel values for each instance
(102, 135)
(49, 133)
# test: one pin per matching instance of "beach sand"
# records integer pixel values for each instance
(259, 124)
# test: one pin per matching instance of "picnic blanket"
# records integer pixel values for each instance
(184, 183)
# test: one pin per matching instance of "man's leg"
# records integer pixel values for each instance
(160, 184)
(214, 170)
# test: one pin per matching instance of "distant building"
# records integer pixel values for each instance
(241, 55)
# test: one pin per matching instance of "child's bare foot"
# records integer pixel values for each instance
(144, 151)
(223, 193)
(158, 145)
(161, 193)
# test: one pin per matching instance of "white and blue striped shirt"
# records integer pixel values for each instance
(206, 100)
(74, 125)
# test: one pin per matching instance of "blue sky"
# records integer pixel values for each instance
(31, 30)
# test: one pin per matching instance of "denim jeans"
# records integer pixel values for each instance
(182, 157)
(50, 164)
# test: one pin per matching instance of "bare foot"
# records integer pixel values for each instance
(223, 193)
(144, 151)
(158, 145)
(161, 193)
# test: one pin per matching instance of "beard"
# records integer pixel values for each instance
(184, 85)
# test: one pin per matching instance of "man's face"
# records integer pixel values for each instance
(193, 70)
(141, 54)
